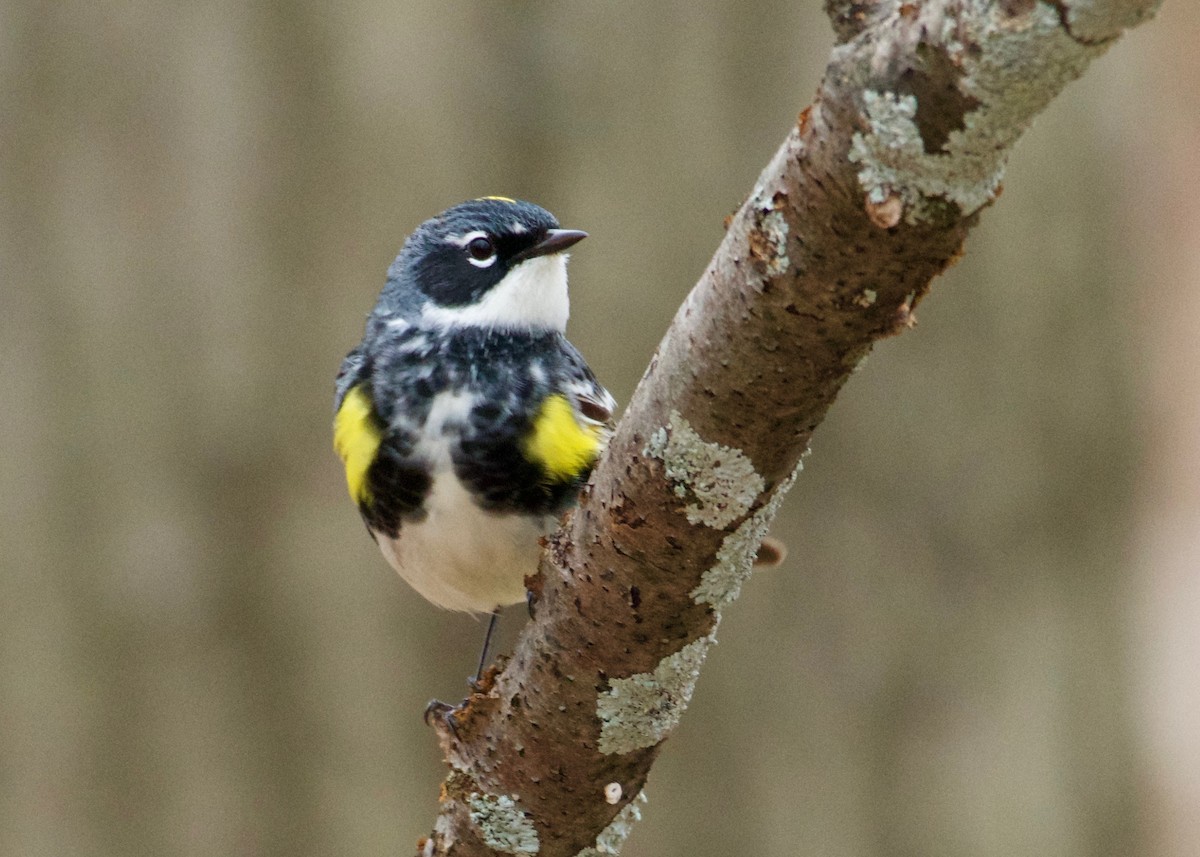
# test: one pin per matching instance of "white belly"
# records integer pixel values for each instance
(463, 558)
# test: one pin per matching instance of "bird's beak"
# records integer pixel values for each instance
(556, 241)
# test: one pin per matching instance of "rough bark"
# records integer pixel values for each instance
(870, 196)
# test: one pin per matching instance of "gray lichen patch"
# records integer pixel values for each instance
(720, 481)
(611, 838)
(1011, 67)
(767, 239)
(443, 828)
(722, 583)
(774, 229)
(641, 710)
(502, 824)
(1099, 20)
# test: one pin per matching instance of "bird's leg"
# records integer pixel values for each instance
(474, 683)
(446, 713)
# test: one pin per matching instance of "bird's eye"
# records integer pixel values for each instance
(481, 248)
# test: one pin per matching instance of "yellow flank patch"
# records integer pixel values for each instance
(558, 443)
(500, 199)
(356, 438)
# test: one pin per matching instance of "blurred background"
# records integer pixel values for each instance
(986, 640)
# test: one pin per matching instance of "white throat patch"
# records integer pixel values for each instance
(531, 295)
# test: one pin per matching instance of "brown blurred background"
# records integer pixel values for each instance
(986, 640)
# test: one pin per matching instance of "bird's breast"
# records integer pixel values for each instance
(460, 556)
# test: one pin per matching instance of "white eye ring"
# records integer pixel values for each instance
(467, 240)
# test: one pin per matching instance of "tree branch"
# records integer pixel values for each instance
(870, 196)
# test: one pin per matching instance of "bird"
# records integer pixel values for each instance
(465, 420)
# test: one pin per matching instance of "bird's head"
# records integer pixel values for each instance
(490, 262)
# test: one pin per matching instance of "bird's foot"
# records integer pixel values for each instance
(483, 682)
(439, 713)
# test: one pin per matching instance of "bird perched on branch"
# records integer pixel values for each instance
(466, 421)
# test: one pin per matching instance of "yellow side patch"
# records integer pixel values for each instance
(558, 443)
(500, 199)
(356, 438)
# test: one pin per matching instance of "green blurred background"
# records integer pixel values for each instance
(986, 640)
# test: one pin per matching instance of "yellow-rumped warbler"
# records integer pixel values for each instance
(466, 421)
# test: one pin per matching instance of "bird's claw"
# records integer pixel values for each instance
(437, 711)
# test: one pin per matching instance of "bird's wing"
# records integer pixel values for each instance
(348, 375)
(593, 404)
(385, 479)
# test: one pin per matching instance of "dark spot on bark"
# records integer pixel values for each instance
(635, 597)
(941, 107)
(1015, 8)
